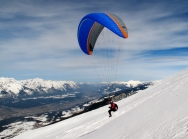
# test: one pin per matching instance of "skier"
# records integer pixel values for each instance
(113, 107)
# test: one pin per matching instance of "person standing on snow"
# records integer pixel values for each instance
(113, 107)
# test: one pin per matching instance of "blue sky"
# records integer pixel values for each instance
(38, 39)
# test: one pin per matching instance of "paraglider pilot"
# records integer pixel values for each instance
(113, 107)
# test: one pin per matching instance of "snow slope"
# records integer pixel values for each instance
(159, 112)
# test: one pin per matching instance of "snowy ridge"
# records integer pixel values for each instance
(158, 112)
(130, 83)
(46, 84)
(12, 87)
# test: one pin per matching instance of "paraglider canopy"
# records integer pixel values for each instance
(100, 37)
(91, 26)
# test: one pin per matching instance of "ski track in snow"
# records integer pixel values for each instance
(85, 128)
(174, 130)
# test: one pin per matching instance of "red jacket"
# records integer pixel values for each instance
(112, 105)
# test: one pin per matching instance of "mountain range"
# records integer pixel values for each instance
(11, 88)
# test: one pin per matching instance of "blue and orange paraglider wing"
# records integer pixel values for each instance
(91, 26)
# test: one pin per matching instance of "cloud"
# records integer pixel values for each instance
(40, 37)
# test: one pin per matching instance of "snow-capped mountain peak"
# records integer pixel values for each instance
(133, 83)
(10, 86)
